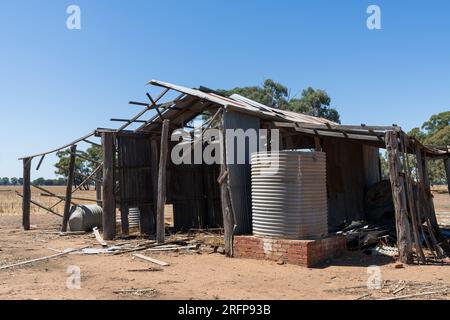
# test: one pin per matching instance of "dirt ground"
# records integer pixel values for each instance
(197, 276)
(442, 203)
(189, 276)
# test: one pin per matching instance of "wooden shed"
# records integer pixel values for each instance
(137, 171)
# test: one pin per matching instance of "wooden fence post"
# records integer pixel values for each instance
(26, 204)
(70, 178)
(399, 196)
(108, 196)
(162, 175)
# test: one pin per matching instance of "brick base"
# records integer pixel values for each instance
(306, 253)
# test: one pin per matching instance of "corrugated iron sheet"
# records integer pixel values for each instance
(240, 103)
(240, 174)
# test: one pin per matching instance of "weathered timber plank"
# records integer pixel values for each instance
(399, 196)
(162, 176)
(26, 204)
(70, 178)
(109, 202)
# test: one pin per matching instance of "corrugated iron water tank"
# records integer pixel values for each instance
(85, 217)
(289, 200)
(134, 217)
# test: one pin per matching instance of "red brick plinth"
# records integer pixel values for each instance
(305, 253)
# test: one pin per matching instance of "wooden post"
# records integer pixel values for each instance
(317, 143)
(208, 197)
(447, 172)
(98, 188)
(125, 224)
(413, 210)
(154, 171)
(26, 204)
(109, 201)
(70, 177)
(421, 207)
(162, 175)
(399, 196)
(227, 209)
(123, 206)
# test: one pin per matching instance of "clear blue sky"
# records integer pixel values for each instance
(58, 84)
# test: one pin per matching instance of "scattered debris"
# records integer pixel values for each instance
(19, 264)
(390, 291)
(173, 248)
(138, 292)
(136, 247)
(151, 269)
(443, 292)
(364, 235)
(363, 296)
(99, 237)
(398, 290)
(109, 250)
(71, 233)
(155, 261)
(385, 250)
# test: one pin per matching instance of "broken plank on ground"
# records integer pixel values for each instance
(172, 248)
(148, 259)
(19, 264)
(99, 237)
(146, 270)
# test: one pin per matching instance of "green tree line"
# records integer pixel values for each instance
(83, 168)
(435, 131)
(11, 181)
(39, 181)
(314, 102)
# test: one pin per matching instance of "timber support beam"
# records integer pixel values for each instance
(162, 178)
(108, 194)
(225, 195)
(399, 196)
(70, 179)
(26, 200)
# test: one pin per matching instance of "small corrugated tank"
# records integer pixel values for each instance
(289, 199)
(85, 217)
(134, 218)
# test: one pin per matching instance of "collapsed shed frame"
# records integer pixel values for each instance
(413, 206)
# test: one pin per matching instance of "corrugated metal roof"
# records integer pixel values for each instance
(288, 115)
(240, 103)
(195, 101)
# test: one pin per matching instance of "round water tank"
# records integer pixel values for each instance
(134, 218)
(289, 195)
(85, 217)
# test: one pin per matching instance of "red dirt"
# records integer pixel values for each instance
(190, 276)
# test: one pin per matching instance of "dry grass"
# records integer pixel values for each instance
(439, 189)
(11, 204)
